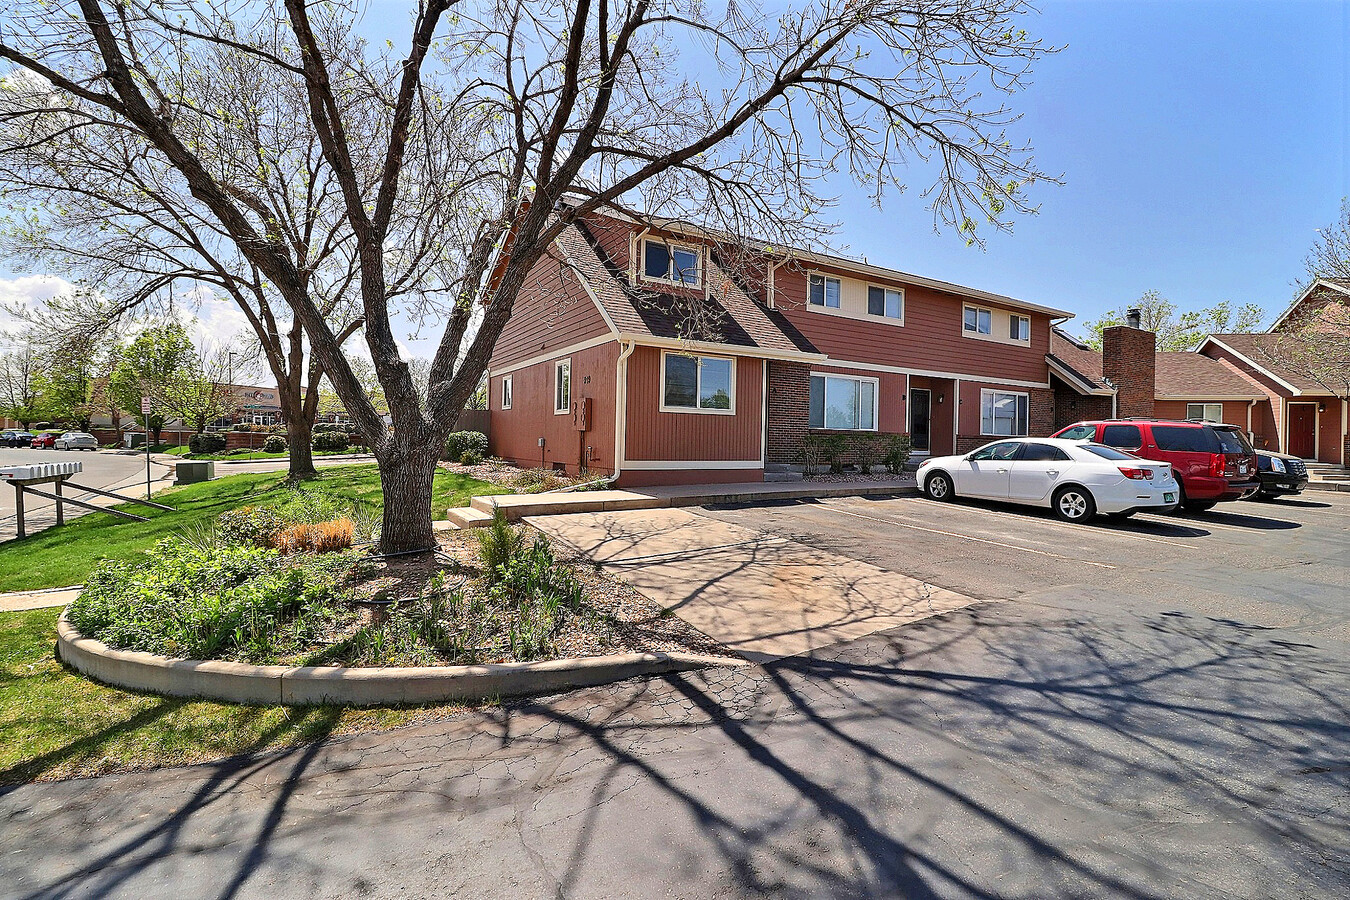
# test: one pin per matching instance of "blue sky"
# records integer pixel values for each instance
(1201, 146)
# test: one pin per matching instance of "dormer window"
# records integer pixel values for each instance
(671, 262)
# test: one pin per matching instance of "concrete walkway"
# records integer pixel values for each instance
(13, 601)
(553, 503)
(763, 596)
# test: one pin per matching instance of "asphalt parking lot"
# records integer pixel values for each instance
(1158, 711)
(1273, 565)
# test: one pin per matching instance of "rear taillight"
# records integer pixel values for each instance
(1137, 474)
(1217, 463)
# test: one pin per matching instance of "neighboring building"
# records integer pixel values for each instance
(643, 352)
(1234, 378)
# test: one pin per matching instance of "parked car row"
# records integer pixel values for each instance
(50, 440)
(1117, 467)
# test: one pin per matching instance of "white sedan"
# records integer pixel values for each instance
(1075, 479)
(76, 440)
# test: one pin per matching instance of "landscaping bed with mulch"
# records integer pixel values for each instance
(521, 481)
(273, 592)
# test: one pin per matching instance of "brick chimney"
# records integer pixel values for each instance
(1129, 363)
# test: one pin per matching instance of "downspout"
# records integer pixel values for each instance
(626, 349)
(772, 282)
(1251, 436)
(1115, 392)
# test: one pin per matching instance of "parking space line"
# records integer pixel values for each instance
(969, 537)
(1098, 530)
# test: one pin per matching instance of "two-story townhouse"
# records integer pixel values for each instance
(642, 352)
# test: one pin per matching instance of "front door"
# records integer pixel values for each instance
(919, 418)
(1302, 421)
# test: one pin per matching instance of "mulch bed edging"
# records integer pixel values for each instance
(233, 682)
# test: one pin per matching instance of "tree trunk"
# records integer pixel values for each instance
(299, 434)
(406, 474)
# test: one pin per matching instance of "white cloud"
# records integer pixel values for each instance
(27, 290)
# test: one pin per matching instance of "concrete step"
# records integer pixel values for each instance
(774, 477)
(518, 506)
(468, 517)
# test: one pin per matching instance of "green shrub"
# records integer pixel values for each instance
(239, 451)
(530, 590)
(275, 443)
(330, 440)
(460, 442)
(207, 442)
(249, 526)
(499, 543)
(470, 458)
(832, 451)
(226, 602)
(898, 450)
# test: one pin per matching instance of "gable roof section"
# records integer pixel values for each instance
(730, 320)
(1339, 285)
(1184, 375)
(1257, 350)
(1077, 364)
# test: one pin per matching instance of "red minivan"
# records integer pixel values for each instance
(1212, 462)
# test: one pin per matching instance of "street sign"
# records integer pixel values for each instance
(145, 406)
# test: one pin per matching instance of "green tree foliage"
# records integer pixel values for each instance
(1177, 329)
(157, 357)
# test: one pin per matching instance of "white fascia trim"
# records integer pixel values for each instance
(925, 373)
(1262, 369)
(552, 355)
(1074, 381)
(648, 465)
(712, 349)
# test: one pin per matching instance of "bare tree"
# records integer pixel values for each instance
(1315, 343)
(93, 197)
(19, 385)
(201, 393)
(454, 159)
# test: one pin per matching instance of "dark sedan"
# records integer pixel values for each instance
(1279, 474)
(10, 438)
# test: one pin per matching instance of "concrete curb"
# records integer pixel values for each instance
(301, 686)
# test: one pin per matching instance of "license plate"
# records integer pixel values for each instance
(1242, 469)
(1169, 497)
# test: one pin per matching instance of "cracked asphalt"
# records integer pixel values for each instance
(1138, 719)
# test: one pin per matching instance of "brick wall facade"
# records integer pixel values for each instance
(1071, 407)
(1129, 362)
(1041, 403)
(789, 411)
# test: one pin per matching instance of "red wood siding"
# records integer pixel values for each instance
(654, 435)
(930, 339)
(552, 311)
(515, 432)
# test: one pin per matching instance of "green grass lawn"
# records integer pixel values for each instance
(64, 556)
(55, 723)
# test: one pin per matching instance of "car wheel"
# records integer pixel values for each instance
(1074, 504)
(939, 486)
(1199, 505)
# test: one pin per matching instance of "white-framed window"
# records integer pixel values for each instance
(823, 290)
(1019, 328)
(506, 392)
(843, 402)
(886, 302)
(562, 387)
(1209, 412)
(701, 384)
(978, 320)
(1003, 413)
(676, 263)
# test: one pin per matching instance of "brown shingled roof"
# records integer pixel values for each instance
(1194, 375)
(726, 316)
(1083, 361)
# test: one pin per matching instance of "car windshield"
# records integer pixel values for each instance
(1110, 453)
(1233, 441)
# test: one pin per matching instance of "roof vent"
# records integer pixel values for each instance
(1132, 318)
